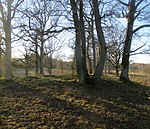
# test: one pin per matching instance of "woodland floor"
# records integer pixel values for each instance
(58, 102)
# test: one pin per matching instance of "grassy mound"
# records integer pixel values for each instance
(57, 102)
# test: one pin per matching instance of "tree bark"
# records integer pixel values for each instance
(78, 58)
(0, 60)
(41, 55)
(127, 46)
(117, 70)
(78, 51)
(89, 60)
(101, 62)
(26, 63)
(0, 55)
(50, 64)
(37, 55)
(8, 43)
(83, 42)
(93, 42)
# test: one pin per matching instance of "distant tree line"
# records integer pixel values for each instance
(57, 66)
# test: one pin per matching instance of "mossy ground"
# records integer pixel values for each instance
(57, 102)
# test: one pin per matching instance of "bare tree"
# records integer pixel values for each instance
(85, 23)
(26, 59)
(134, 10)
(52, 46)
(80, 38)
(91, 41)
(41, 24)
(115, 40)
(8, 10)
(101, 39)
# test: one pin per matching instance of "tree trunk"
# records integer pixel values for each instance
(89, 59)
(7, 29)
(82, 32)
(26, 63)
(78, 52)
(93, 42)
(126, 52)
(50, 64)
(41, 56)
(0, 55)
(26, 69)
(8, 56)
(78, 58)
(101, 62)
(0, 60)
(7, 14)
(37, 63)
(37, 56)
(117, 71)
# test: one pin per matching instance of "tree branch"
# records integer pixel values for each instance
(58, 31)
(138, 53)
(139, 3)
(137, 48)
(140, 27)
(123, 3)
(139, 12)
(19, 2)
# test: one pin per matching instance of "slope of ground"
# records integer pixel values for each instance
(60, 103)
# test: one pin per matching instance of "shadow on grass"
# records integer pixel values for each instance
(44, 103)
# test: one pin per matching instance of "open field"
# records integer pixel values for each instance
(137, 77)
(142, 79)
(58, 102)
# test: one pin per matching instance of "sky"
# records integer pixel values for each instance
(141, 59)
(66, 51)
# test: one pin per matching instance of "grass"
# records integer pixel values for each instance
(143, 79)
(58, 102)
(140, 77)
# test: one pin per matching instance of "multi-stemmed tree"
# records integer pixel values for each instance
(81, 41)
